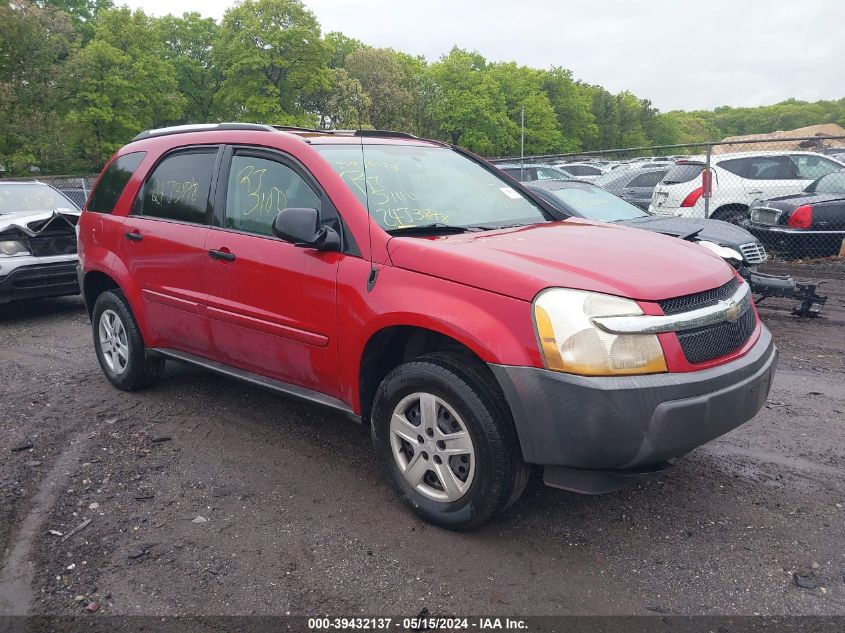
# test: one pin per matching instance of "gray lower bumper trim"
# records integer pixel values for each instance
(619, 423)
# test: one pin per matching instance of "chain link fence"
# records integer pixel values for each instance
(74, 187)
(789, 193)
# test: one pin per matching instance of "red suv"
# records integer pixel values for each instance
(416, 288)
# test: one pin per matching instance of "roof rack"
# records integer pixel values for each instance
(202, 127)
(260, 127)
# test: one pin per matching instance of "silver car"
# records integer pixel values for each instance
(37, 242)
(634, 185)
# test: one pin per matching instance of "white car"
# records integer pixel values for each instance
(736, 181)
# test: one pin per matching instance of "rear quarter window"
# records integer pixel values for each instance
(113, 181)
(178, 187)
(684, 172)
(736, 166)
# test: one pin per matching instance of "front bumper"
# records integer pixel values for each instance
(30, 277)
(798, 242)
(631, 425)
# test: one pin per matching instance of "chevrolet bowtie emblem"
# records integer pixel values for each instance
(732, 312)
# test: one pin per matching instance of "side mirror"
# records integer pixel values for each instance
(302, 227)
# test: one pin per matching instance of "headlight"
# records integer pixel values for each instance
(722, 251)
(571, 342)
(11, 247)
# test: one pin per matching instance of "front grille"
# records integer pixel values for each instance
(715, 341)
(754, 253)
(42, 275)
(704, 299)
(58, 241)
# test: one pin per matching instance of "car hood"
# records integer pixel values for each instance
(574, 253)
(722, 233)
(788, 203)
(33, 222)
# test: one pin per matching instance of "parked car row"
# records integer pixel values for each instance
(730, 190)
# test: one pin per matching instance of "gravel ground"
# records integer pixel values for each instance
(206, 496)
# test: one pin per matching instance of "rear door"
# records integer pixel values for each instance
(163, 247)
(271, 305)
(769, 176)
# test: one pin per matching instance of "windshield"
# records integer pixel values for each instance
(29, 198)
(408, 186)
(594, 203)
(832, 183)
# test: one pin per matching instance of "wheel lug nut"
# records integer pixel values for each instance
(437, 459)
(419, 439)
(441, 445)
(425, 455)
(429, 432)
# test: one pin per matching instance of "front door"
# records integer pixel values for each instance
(271, 305)
(163, 247)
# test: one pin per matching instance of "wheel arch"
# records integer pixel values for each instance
(393, 345)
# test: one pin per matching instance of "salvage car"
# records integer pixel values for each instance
(348, 269)
(634, 185)
(530, 172)
(734, 244)
(736, 180)
(806, 224)
(37, 242)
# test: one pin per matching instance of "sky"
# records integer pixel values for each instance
(679, 54)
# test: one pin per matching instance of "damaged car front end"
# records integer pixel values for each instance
(37, 242)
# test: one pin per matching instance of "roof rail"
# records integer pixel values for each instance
(294, 128)
(202, 127)
(387, 133)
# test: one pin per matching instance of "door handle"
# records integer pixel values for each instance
(134, 237)
(756, 192)
(222, 255)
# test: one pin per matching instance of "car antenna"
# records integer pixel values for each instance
(371, 280)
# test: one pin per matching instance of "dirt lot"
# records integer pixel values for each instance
(206, 496)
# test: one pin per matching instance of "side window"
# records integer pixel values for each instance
(258, 189)
(771, 168)
(548, 174)
(737, 166)
(113, 181)
(649, 179)
(178, 188)
(811, 167)
(576, 170)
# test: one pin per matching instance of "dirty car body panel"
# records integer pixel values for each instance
(475, 287)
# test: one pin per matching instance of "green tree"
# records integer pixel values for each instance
(34, 43)
(389, 78)
(342, 105)
(82, 13)
(340, 47)
(467, 105)
(270, 53)
(523, 87)
(572, 106)
(188, 42)
(118, 85)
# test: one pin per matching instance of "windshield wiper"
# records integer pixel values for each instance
(429, 229)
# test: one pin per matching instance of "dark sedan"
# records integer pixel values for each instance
(806, 224)
(733, 243)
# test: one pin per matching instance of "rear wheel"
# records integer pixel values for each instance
(732, 214)
(120, 348)
(445, 440)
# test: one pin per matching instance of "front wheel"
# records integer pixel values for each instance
(444, 438)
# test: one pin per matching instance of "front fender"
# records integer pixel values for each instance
(498, 329)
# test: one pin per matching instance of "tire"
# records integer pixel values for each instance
(734, 215)
(467, 405)
(124, 359)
